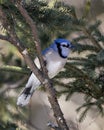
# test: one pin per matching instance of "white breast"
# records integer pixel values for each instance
(53, 68)
(54, 63)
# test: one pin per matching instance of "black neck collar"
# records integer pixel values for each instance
(60, 51)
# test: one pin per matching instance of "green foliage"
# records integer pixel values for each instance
(86, 73)
(11, 75)
(8, 126)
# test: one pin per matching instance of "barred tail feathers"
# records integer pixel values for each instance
(24, 97)
(26, 94)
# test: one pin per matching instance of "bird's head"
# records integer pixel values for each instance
(62, 46)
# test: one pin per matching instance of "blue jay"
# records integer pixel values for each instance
(55, 57)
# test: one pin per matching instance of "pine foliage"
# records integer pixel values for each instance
(86, 73)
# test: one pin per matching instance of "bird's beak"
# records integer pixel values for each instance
(71, 46)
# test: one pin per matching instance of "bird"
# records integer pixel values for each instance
(55, 57)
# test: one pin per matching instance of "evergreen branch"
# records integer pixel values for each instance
(62, 84)
(85, 47)
(79, 39)
(89, 35)
(68, 65)
(87, 79)
(91, 89)
(78, 59)
(95, 26)
(83, 114)
(97, 103)
(16, 69)
(93, 40)
(12, 86)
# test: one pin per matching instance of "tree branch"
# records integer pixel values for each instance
(93, 40)
(34, 33)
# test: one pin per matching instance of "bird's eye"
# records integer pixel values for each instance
(65, 45)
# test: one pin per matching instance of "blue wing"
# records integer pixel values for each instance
(45, 51)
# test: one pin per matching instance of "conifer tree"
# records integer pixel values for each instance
(86, 73)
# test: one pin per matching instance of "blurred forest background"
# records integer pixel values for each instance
(80, 85)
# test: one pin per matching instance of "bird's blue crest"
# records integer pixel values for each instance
(57, 41)
(60, 40)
